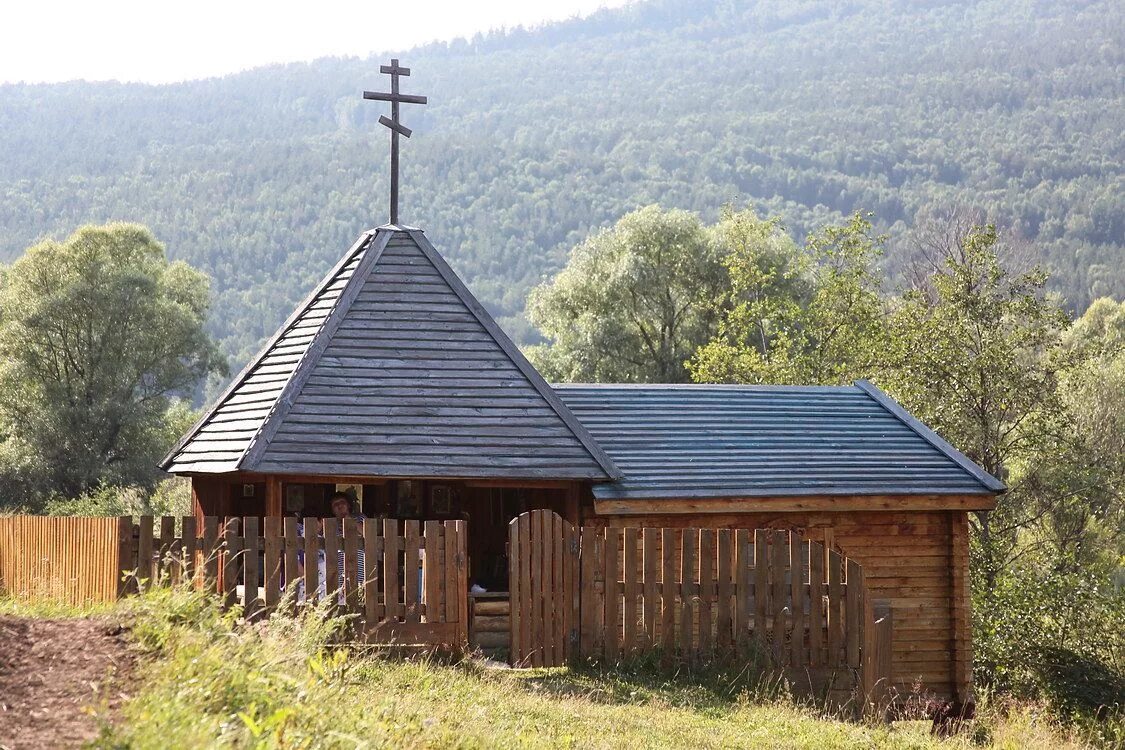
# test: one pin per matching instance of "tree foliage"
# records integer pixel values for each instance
(633, 302)
(809, 110)
(794, 316)
(99, 336)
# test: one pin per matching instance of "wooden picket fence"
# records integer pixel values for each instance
(401, 582)
(694, 595)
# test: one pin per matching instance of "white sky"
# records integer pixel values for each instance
(160, 41)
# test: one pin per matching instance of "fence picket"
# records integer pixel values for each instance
(612, 595)
(706, 589)
(631, 589)
(816, 603)
(250, 568)
(271, 530)
(688, 589)
(650, 554)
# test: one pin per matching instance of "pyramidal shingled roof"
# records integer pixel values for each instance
(391, 368)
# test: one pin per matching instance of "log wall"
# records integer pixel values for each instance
(917, 559)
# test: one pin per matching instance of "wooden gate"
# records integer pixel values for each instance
(543, 581)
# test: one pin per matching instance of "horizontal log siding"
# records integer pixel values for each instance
(908, 558)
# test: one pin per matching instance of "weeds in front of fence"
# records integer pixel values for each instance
(208, 678)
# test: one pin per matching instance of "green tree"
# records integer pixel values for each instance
(976, 351)
(633, 302)
(99, 335)
(808, 315)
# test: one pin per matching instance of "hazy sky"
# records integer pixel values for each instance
(162, 40)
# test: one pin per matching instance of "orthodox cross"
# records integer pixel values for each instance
(392, 122)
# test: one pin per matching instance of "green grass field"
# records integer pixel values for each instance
(205, 679)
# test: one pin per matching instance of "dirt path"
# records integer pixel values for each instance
(52, 673)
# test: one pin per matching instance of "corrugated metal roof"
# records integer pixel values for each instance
(393, 369)
(694, 441)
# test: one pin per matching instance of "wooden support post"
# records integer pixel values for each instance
(126, 556)
(961, 648)
(883, 692)
(274, 503)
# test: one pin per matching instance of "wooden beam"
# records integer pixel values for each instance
(961, 635)
(274, 502)
(794, 504)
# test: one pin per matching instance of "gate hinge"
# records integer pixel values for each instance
(574, 546)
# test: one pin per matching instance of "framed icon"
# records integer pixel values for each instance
(441, 500)
(408, 502)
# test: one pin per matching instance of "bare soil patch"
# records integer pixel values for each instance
(54, 674)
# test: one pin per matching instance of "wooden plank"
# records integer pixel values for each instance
(144, 552)
(252, 605)
(412, 550)
(811, 503)
(545, 593)
(559, 599)
(589, 614)
(534, 642)
(571, 573)
(743, 566)
(372, 556)
(668, 589)
(352, 545)
(332, 573)
(167, 565)
(779, 564)
(126, 554)
(526, 592)
(960, 620)
(816, 603)
(612, 596)
(650, 542)
(725, 580)
(392, 599)
(461, 561)
(189, 547)
(453, 591)
(835, 609)
(881, 659)
(706, 591)
(432, 575)
(631, 573)
(798, 555)
(232, 560)
(516, 555)
(273, 552)
(688, 588)
(761, 587)
(211, 552)
(311, 546)
(290, 567)
(853, 620)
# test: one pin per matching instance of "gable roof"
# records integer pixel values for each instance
(719, 441)
(392, 368)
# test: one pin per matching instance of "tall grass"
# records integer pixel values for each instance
(208, 679)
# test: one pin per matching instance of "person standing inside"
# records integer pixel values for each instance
(343, 508)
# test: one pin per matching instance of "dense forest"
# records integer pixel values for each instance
(533, 138)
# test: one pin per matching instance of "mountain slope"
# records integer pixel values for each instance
(534, 138)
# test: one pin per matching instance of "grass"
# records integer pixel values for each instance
(209, 680)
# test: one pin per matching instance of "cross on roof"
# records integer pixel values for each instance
(392, 122)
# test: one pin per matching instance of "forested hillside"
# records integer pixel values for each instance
(532, 138)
